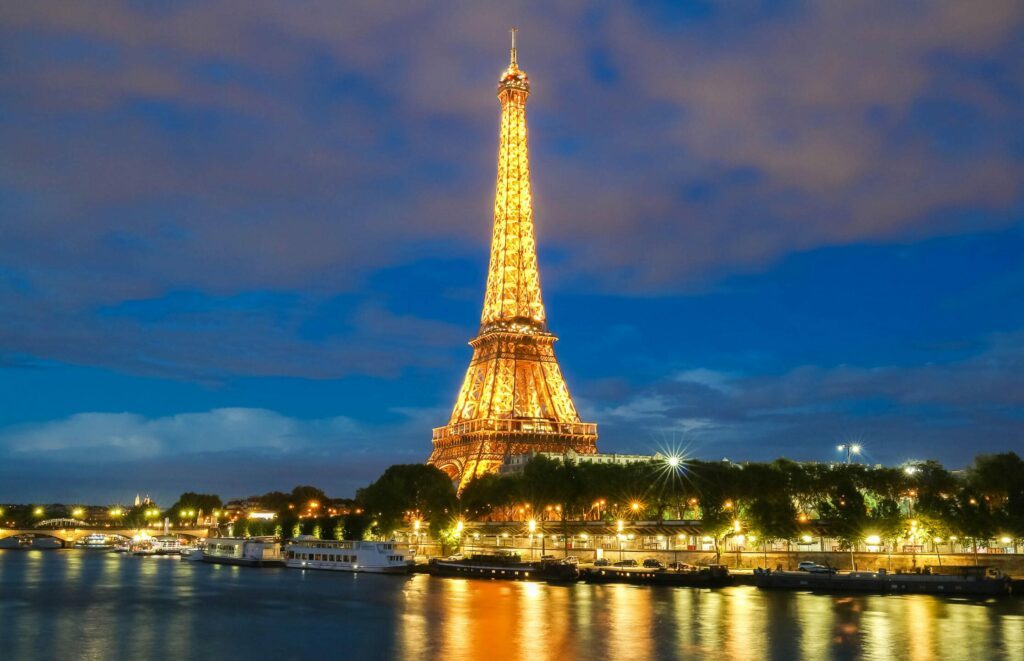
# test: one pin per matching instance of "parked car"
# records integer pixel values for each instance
(626, 563)
(571, 560)
(680, 566)
(815, 568)
(602, 562)
(653, 563)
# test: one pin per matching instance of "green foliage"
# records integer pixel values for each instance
(204, 503)
(409, 491)
(852, 500)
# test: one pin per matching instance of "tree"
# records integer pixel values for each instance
(408, 491)
(194, 503)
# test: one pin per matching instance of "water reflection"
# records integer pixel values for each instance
(76, 604)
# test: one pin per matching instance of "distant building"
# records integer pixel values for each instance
(515, 463)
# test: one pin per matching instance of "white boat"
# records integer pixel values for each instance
(192, 553)
(166, 545)
(249, 551)
(307, 552)
(94, 541)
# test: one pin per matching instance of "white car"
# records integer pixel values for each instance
(815, 568)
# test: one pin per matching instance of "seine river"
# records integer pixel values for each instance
(94, 605)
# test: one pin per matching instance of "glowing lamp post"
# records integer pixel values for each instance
(850, 449)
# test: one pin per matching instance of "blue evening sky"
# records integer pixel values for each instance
(243, 244)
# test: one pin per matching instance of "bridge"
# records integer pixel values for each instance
(70, 531)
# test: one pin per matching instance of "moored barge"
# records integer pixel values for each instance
(714, 576)
(248, 552)
(957, 580)
(508, 567)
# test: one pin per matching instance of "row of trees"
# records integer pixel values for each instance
(776, 501)
(780, 500)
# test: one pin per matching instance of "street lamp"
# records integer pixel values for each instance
(532, 525)
(849, 449)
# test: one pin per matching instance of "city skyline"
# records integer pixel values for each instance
(246, 248)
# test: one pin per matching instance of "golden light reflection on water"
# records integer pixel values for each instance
(629, 633)
(814, 624)
(63, 605)
(743, 614)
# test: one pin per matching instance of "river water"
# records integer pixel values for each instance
(75, 604)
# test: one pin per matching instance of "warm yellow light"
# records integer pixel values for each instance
(752, 538)
(953, 538)
(313, 504)
(806, 539)
(459, 526)
(739, 539)
(618, 525)
(416, 525)
(116, 511)
(673, 461)
(874, 540)
(802, 518)
(532, 525)
(38, 511)
(938, 540)
(727, 504)
(736, 525)
(584, 536)
(705, 538)
(635, 506)
(77, 512)
(1004, 540)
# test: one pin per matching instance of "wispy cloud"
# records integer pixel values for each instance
(964, 407)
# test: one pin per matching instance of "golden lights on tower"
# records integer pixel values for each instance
(513, 398)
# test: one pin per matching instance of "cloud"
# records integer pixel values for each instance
(965, 408)
(101, 437)
(231, 148)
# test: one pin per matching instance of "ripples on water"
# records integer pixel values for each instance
(94, 605)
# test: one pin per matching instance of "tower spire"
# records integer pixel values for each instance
(512, 61)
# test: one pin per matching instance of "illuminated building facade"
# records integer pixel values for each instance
(514, 399)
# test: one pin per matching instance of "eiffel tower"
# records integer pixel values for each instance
(513, 399)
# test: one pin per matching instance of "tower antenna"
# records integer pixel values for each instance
(513, 60)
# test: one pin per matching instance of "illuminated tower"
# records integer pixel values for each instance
(513, 398)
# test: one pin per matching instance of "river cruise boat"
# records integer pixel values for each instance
(505, 566)
(249, 551)
(94, 541)
(307, 552)
(167, 545)
(956, 580)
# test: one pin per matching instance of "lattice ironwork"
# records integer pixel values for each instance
(514, 398)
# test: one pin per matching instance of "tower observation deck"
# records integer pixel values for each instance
(513, 398)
